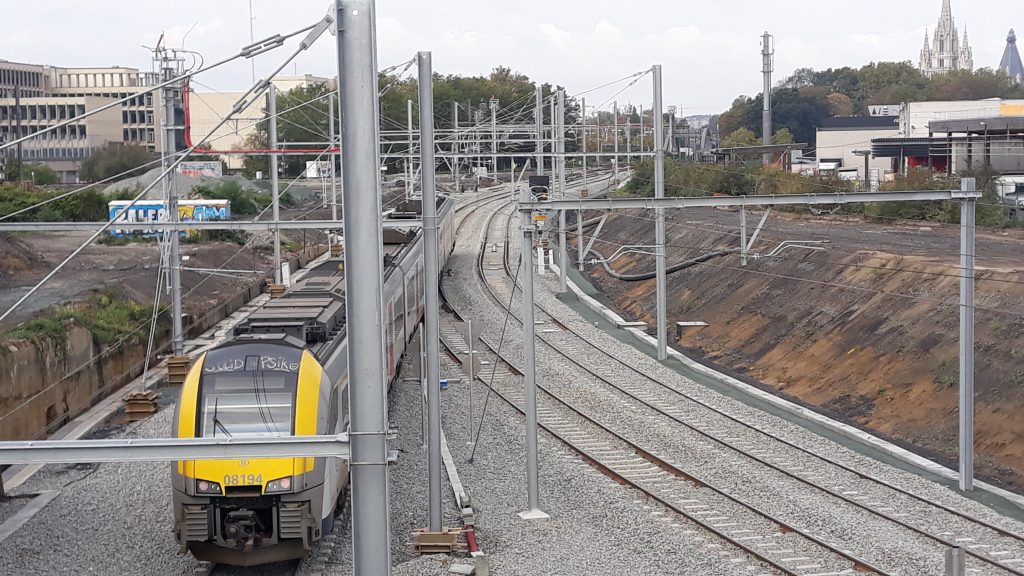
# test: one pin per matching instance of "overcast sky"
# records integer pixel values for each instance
(709, 49)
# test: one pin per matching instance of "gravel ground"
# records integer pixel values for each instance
(597, 526)
(111, 519)
(9, 507)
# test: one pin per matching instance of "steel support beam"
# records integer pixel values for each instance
(724, 201)
(274, 184)
(539, 115)
(361, 190)
(533, 511)
(760, 225)
(743, 235)
(170, 95)
(332, 127)
(563, 250)
(431, 304)
(171, 449)
(659, 215)
(967, 210)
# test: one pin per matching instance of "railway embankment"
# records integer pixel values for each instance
(68, 357)
(865, 330)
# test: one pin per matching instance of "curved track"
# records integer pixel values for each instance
(987, 543)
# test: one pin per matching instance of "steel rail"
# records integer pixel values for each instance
(858, 564)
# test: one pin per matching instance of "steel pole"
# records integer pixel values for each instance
(539, 113)
(408, 162)
(659, 214)
(766, 112)
(586, 190)
(743, 235)
(455, 145)
(173, 239)
(533, 511)
(431, 305)
(563, 252)
(361, 191)
(967, 209)
(334, 168)
(274, 192)
(629, 138)
(494, 137)
(554, 140)
(615, 131)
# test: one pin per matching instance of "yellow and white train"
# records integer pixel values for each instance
(281, 375)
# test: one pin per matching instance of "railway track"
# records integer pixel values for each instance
(988, 545)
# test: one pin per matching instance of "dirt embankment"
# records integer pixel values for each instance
(866, 330)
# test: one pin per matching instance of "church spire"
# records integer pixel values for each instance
(1011, 63)
(947, 16)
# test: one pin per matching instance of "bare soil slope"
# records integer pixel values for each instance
(866, 330)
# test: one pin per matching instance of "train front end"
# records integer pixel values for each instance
(247, 512)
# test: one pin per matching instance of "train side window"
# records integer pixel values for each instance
(332, 412)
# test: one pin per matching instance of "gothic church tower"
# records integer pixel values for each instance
(945, 52)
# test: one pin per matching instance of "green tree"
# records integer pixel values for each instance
(116, 159)
(783, 136)
(739, 138)
(39, 174)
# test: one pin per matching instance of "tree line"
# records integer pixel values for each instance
(803, 100)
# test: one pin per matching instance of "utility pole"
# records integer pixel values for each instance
(431, 304)
(455, 145)
(629, 137)
(408, 160)
(615, 131)
(17, 119)
(641, 108)
(357, 75)
(334, 170)
(767, 58)
(585, 192)
(659, 215)
(583, 129)
(554, 139)
(494, 136)
(170, 95)
(533, 511)
(563, 251)
(275, 193)
(967, 210)
(539, 113)
(252, 40)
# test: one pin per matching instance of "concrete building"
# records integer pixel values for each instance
(840, 140)
(916, 117)
(63, 149)
(38, 94)
(945, 52)
(206, 109)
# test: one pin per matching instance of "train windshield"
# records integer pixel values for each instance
(244, 403)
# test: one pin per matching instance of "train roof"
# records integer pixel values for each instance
(312, 312)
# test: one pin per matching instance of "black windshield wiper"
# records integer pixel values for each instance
(216, 422)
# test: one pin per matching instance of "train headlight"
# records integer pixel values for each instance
(207, 487)
(279, 485)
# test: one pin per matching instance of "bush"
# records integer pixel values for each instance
(244, 201)
(116, 159)
(110, 317)
(85, 206)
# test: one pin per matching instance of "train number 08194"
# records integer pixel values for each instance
(243, 479)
